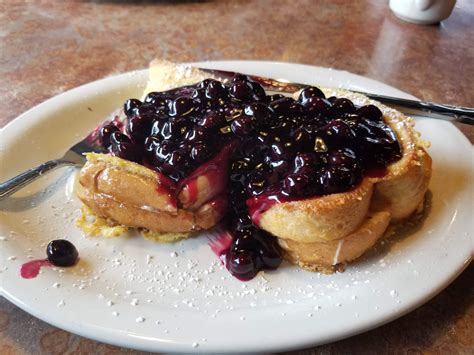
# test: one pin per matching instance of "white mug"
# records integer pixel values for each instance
(425, 12)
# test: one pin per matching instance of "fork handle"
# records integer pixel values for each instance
(16, 183)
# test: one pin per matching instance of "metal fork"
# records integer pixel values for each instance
(74, 156)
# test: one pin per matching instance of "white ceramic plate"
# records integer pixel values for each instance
(138, 294)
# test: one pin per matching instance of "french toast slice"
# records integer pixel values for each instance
(320, 233)
(133, 195)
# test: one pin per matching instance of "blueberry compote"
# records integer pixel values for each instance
(284, 149)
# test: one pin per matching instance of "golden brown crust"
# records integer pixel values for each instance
(321, 218)
(116, 178)
(131, 195)
(328, 256)
(403, 193)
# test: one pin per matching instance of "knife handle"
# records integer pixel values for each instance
(454, 113)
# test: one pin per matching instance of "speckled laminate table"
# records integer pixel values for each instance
(47, 47)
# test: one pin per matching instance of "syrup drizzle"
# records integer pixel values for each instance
(168, 188)
(215, 170)
(192, 189)
(376, 172)
(32, 268)
(257, 206)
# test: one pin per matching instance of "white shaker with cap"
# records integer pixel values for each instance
(424, 12)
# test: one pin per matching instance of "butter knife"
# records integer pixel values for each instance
(412, 107)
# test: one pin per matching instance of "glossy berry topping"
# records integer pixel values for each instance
(216, 90)
(370, 112)
(158, 100)
(130, 106)
(182, 106)
(243, 126)
(285, 150)
(105, 132)
(241, 91)
(316, 106)
(212, 120)
(62, 252)
(309, 92)
(118, 137)
(139, 125)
